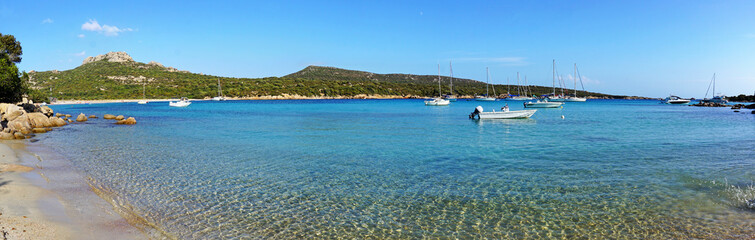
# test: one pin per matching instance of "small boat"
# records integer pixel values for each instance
(451, 97)
(220, 96)
(487, 97)
(675, 100)
(567, 98)
(144, 95)
(182, 103)
(439, 101)
(520, 98)
(715, 99)
(505, 114)
(542, 104)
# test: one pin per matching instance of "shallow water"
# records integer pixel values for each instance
(398, 169)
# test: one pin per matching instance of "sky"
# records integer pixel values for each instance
(642, 48)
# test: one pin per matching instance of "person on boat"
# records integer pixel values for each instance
(505, 108)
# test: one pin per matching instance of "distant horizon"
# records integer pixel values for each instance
(650, 49)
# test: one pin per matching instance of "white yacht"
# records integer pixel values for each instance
(182, 103)
(439, 101)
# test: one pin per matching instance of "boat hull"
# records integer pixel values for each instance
(520, 99)
(681, 101)
(487, 99)
(542, 104)
(179, 104)
(437, 102)
(507, 115)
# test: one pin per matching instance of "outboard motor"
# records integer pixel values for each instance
(476, 112)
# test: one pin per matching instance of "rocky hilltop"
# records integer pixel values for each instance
(110, 57)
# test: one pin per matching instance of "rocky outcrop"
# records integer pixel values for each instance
(751, 106)
(39, 120)
(92, 116)
(119, 117)
(128, 121)
(108, 116)
(708, 104)
(110, 57)
(81, 118)
(46, 110)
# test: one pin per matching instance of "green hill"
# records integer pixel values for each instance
(104, 78)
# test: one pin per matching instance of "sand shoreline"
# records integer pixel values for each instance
(42, 197)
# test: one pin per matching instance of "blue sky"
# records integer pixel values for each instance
(652, 48)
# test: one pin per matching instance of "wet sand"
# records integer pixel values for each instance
(42, 197)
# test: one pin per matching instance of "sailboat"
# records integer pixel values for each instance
(518, 91)
(220, 96)
(715, 99)
(487, 96)
(439, 101)
(144, 94)
(554, 97)
(575, 98)
(182, 103)
(451, 96)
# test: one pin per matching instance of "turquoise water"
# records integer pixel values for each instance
(398, 169)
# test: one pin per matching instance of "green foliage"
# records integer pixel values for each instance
(10, 48)
(10, 83)
(742, 98)
(109, 80)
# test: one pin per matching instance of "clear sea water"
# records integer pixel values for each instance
(396, 169)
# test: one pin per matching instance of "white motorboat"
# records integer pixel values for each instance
(182, 103)
(675, 100)
(715, 99)
(439, 101)
(542, 104)
(520, 98)
(142, 102)
(480, 114)
(483, 98)
(220, 96)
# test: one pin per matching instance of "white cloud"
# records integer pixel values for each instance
(92, 25)
(81, 54)
(47, 20)
(81, 36)
(111, 31)
(510, 61)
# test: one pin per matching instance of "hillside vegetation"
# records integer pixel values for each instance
(104, 79)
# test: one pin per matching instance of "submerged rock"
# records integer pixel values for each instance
(81, 118)
(92, 116)
(108, 116)
(68, 115)
(59, 115)
(19, 135)
(129, 121)
(39, 130)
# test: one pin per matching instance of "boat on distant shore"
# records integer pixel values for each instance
(439, 101)
(675, 100)
(487, 84)
(562, 97)
(542, 104)
(519, 91)
(715, 99)
(451, 97)
(144, 95)
(182, 103)
(505, 114)
(220, 96)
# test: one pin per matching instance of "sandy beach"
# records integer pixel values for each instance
(42, 198)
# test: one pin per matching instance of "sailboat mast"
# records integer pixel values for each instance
(508, 87)
(554, 77)
(527, 91)
(518, 86)
(451, 66)
(144, 90)
(575, 80)
(714, 84)
(439, 93)
(487, 79)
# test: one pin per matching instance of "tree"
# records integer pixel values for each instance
(10, 48)
(11, 86)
